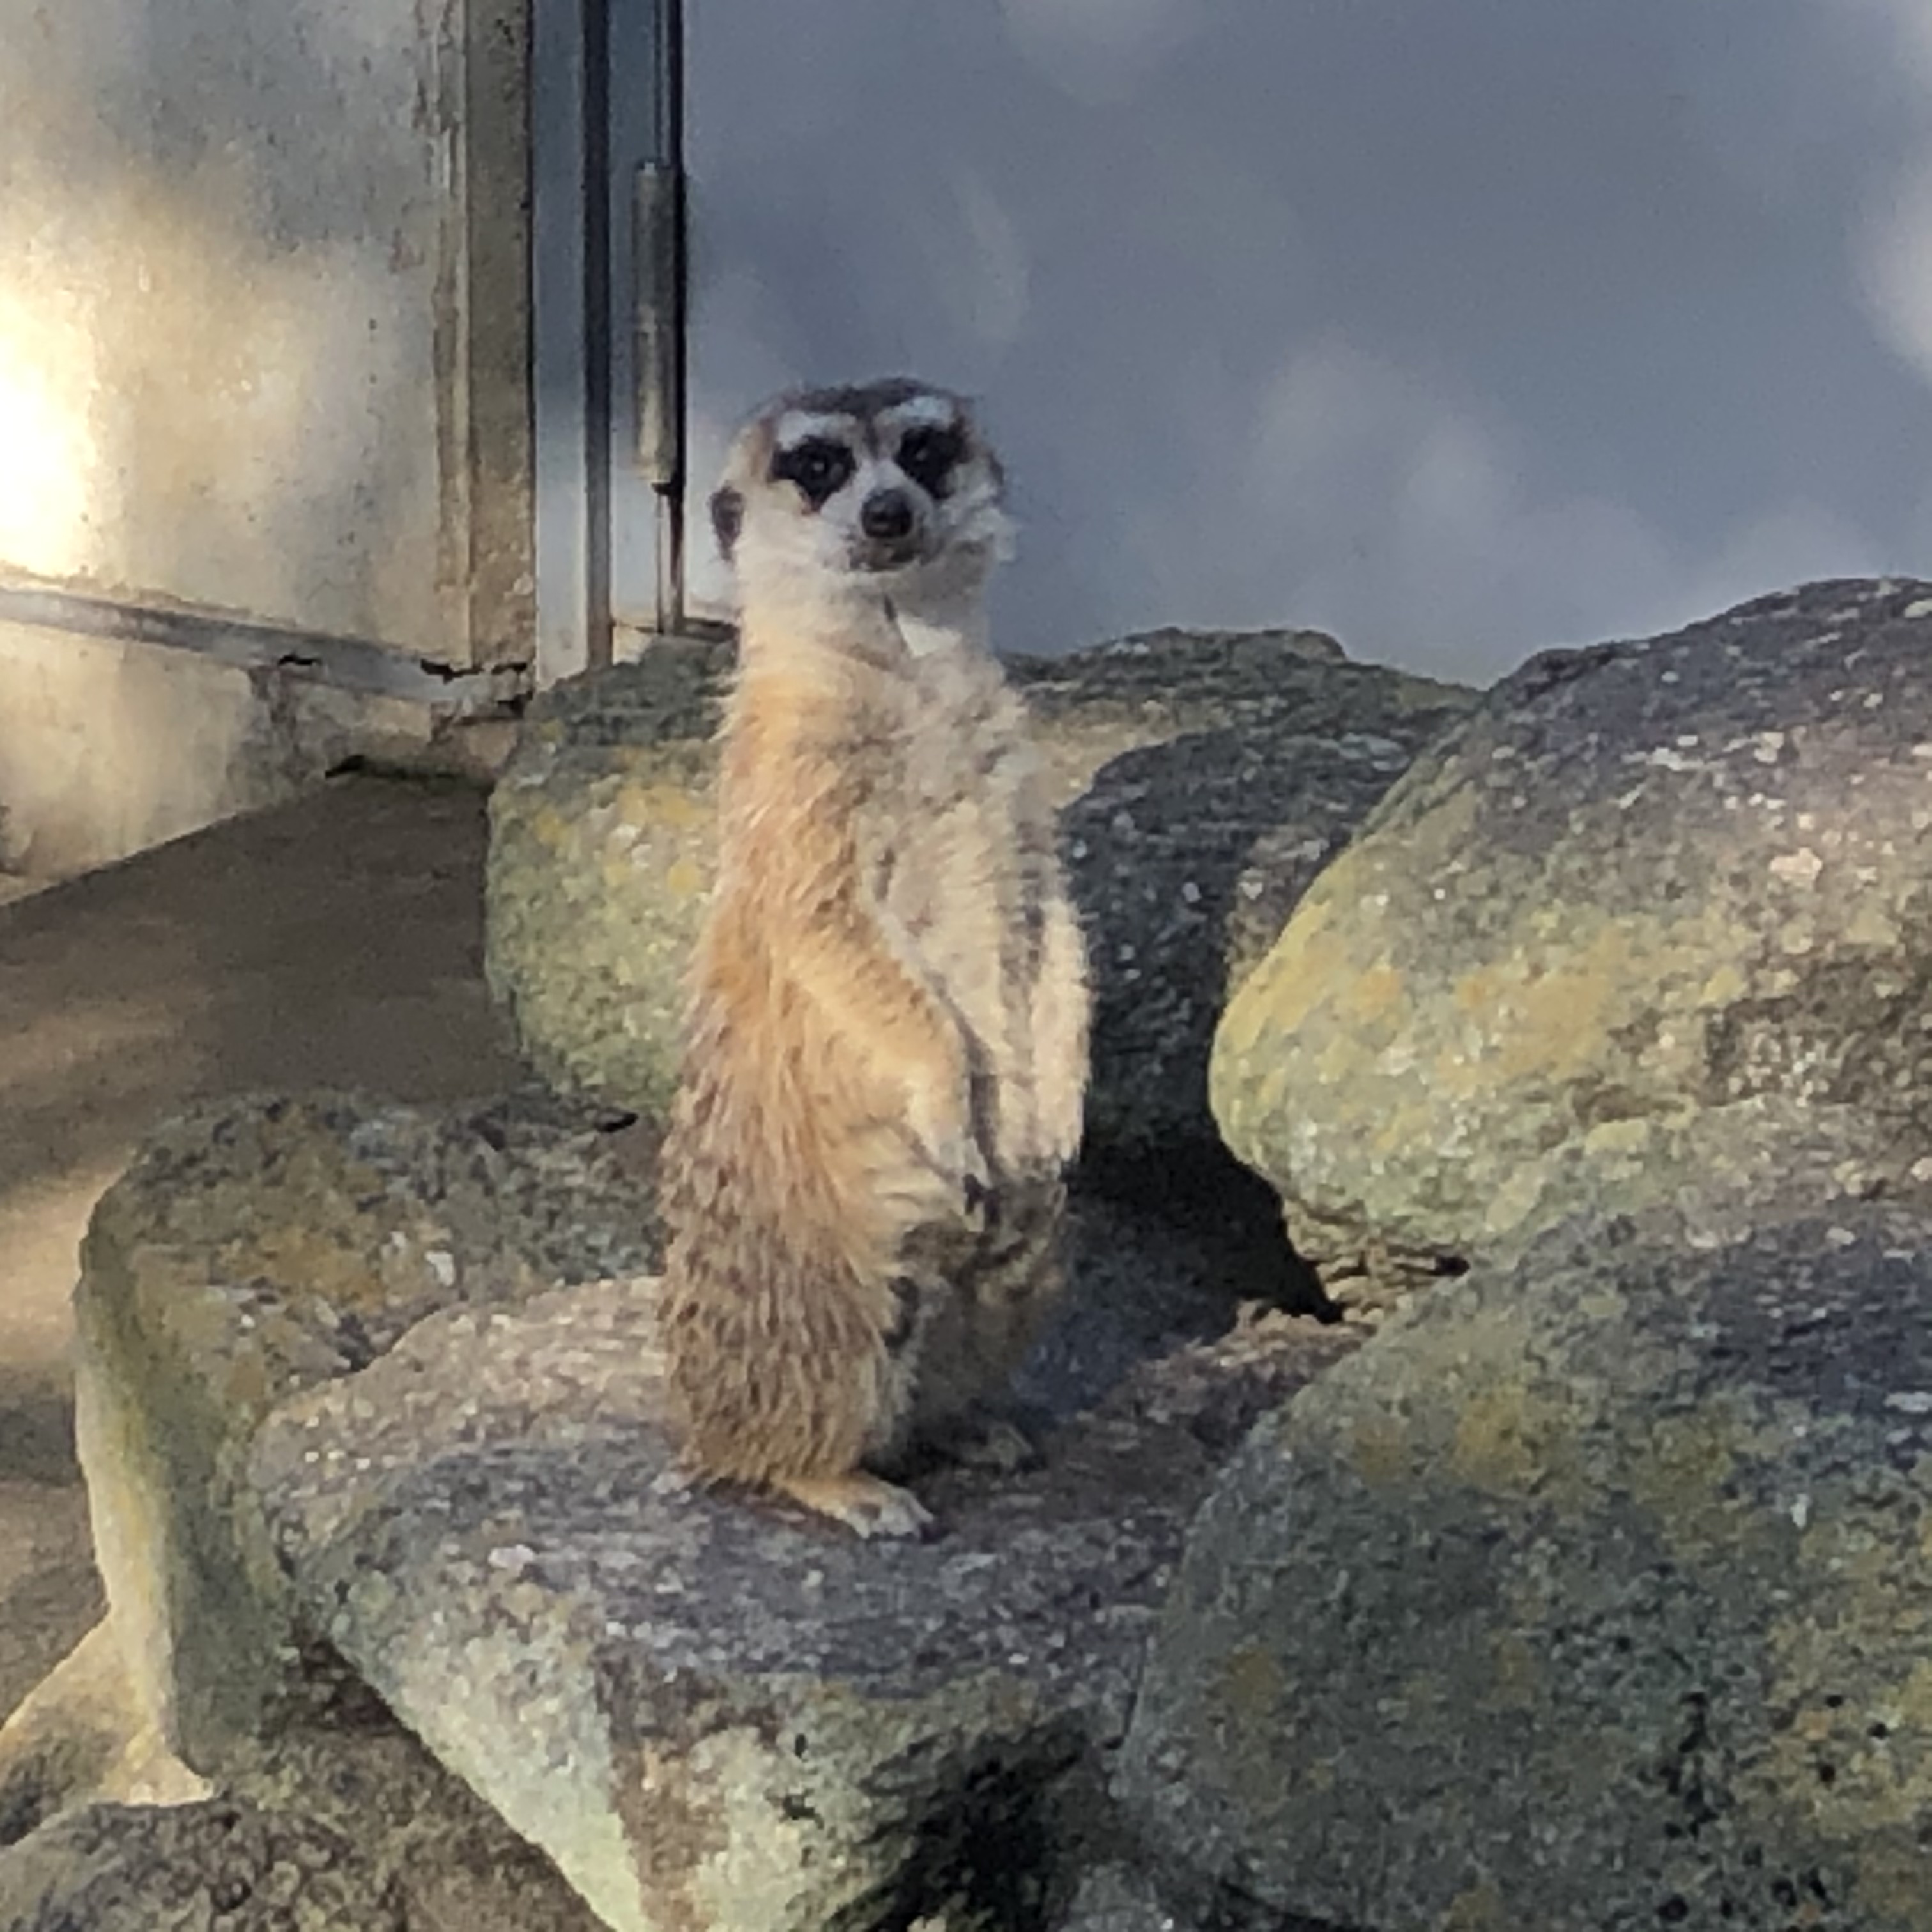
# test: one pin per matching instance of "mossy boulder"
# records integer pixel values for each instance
(257, 1248)
(1205, 777)
(1655, 916)
(1591, 1595)
(374, 1426)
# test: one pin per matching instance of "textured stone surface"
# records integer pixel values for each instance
(374, 1406)
(1251, 754)
(1186, 858)
(1655, 917)
(712, 1712)
(339, 1763)
(709, 1713)
(1591, 1596)
(191, 1868)
(255, 1248)
(80, 1736)
(359, 1853)
(1093, 704)
(1115, 1898)
(601, 844)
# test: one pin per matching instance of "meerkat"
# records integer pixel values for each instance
(886, 1045)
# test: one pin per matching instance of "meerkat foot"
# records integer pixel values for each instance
(999, 1443)
(868, 1506)
(986, 1439)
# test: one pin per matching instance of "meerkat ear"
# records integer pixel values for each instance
(727, 519)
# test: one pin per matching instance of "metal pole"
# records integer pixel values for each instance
(658, 212)
(594, 102)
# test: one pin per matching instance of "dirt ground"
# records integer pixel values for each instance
(336, 941)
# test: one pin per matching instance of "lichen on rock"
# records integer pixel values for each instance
(1204, 776)
(1594, 1587)
(1653, 914)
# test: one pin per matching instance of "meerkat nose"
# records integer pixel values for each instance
(886, 515)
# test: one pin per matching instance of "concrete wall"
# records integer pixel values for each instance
(107, 747)
(263, 332)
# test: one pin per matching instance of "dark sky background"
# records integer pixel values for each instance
(1458, 329)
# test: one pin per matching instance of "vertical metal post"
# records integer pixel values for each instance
(595, 104)
(658, 214)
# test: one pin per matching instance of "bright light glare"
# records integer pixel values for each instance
(47, 448)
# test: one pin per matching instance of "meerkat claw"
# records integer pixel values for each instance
(867, 1505)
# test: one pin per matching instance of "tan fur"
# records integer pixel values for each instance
(887, 1048)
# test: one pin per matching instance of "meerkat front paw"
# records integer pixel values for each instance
(867, 1505)
(939, 1119)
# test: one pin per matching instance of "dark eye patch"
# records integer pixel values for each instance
(820, 467)
(929, 454)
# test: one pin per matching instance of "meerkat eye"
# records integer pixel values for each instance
(818, 465)
(929, 454)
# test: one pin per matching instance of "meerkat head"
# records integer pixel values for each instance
(887, 484)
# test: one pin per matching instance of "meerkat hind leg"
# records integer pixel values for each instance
(868, 1505)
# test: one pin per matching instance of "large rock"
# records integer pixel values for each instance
(374, 1433)
(714, 1714)
(1229, 766)
(1186, 858)
(254, 1249)
(82, 1734)
(1116, 1898)
(601, 844)
(1655, 917)
(1591, 1596)
(710, 1714)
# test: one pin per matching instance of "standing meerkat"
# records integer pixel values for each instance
(886, 1060)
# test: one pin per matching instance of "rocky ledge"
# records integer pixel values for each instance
(1585, 1591)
